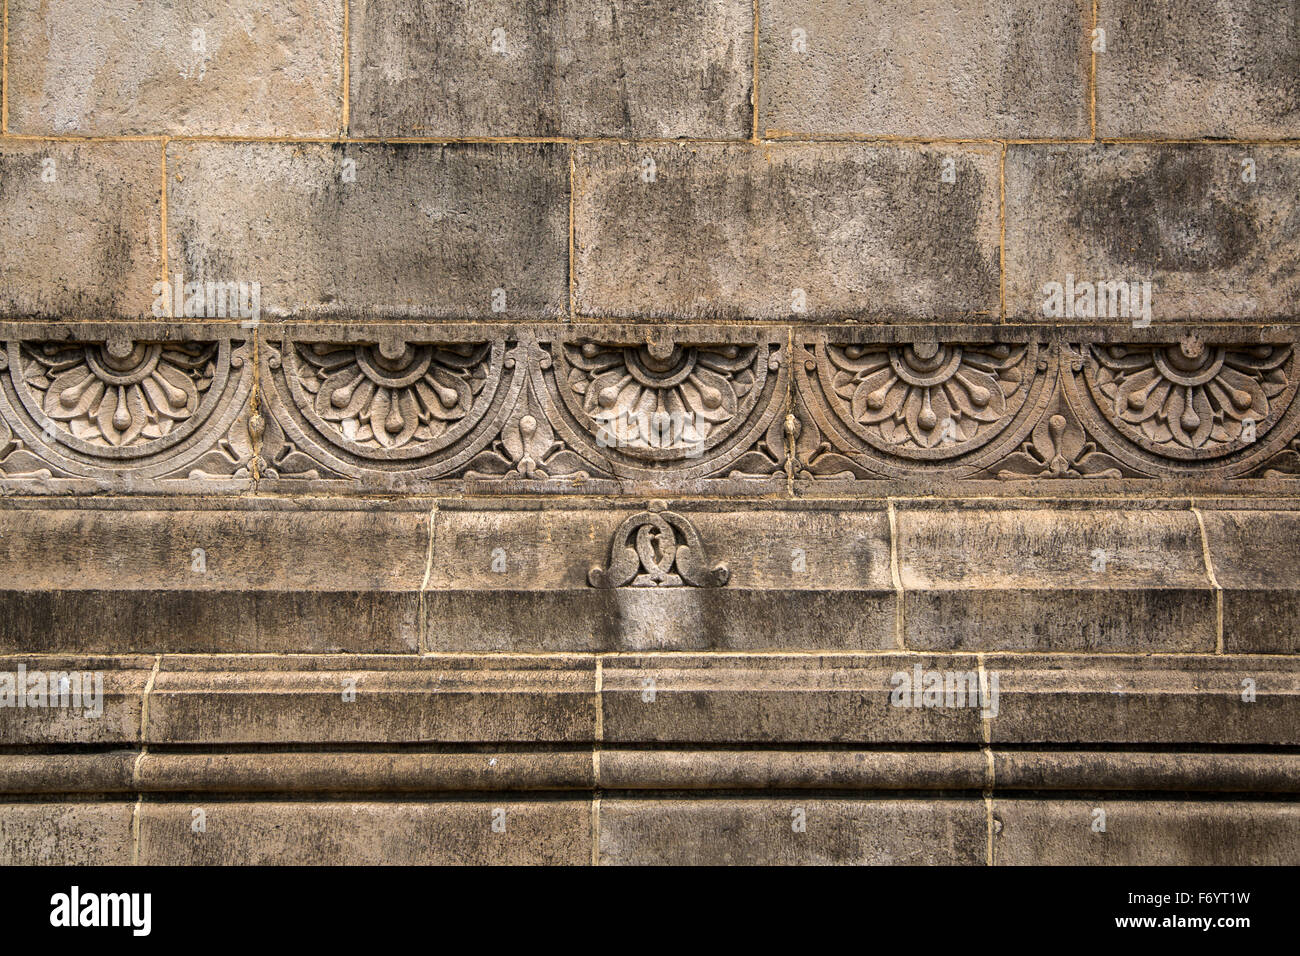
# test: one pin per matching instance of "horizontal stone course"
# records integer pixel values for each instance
(260, 774)
(453, 576)
(333, 699)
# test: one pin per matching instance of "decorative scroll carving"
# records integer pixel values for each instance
(1058, 447)
(657, 548)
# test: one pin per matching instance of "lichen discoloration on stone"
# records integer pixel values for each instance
(869, 232)
(629, 68)
(1214, 228)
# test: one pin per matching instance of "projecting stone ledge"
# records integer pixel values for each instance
(655, 758)
(265, 575)
(633, 681)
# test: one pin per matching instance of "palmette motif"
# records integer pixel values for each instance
(565, 408)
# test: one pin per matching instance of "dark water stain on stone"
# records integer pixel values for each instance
(1171, 216)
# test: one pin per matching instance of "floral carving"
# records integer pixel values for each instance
(381, 400)
(657, 548)
(119, 394)
(1189, 400)
(660, 396)
(527, 448)
(926, 399)
(1058, 447)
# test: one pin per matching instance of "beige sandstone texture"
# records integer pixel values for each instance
(615, 432)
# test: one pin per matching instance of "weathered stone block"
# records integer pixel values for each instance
(102, 773)
(1194, 68)
(121, 67)
(1146, 770)
(792, 769)
(580, 68)
(994, 68)
(72, 700)
(1158, 699)
(519, 580)
(1145, 833)
(362, 772)
(336, 699)
(1067, 579)
(1213, 228)
(721, 832)
(66, 834)
(376, 231)
(185, 581)
(770, 699)
(304, 833)
(777, 232)
(1256, 559)
(81, 226)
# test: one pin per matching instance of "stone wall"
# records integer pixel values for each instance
(570, 431)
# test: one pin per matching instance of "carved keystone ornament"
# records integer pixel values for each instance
(657, 548)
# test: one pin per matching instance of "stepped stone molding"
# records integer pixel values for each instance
(465, 575)
(274, 753)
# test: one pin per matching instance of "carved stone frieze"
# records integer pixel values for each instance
(484, 404)
(617, 409)
(117, 410)
(1044, 408)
